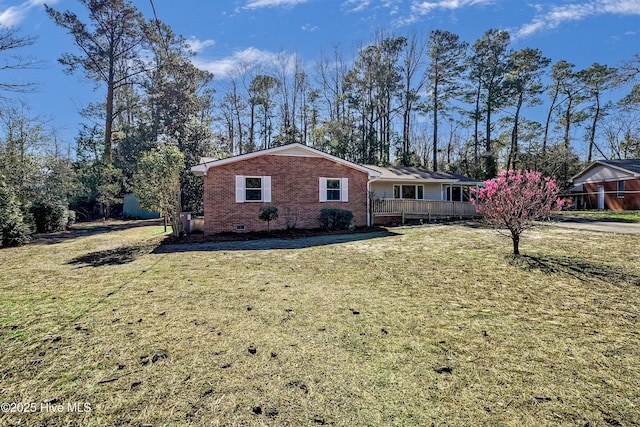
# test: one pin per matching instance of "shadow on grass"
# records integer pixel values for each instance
(258, 244)
(583, 270)
(89, 229)
(117, 256)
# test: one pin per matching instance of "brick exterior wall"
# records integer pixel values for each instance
(631, 200)
(387, 220)
(294, 191)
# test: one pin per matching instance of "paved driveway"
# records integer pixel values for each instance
(602, 226)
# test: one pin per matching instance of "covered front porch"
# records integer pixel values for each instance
(403, 193)
(421, 209)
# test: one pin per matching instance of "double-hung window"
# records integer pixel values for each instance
(620, 189)
(253, 189)
(334, 189)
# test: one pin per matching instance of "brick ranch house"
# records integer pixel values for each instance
(608, 184)
(300, 181)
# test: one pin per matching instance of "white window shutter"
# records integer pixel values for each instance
(344, 190)
(240, 188)
(266, 189)
(323, 189)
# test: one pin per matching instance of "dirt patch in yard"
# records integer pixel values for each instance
(115, 256)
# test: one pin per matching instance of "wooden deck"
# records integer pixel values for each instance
(422, 209)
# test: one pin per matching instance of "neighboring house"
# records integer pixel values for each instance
(608, 184)
(301, 181)
(131, 209)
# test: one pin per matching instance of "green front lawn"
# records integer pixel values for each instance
(432, 325)
(605, 215)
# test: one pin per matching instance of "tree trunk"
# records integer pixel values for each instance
(547, 123)
(592, 133)
(252, 142)
(108, 125)
(476, 132)
(406, 129)
(435, 126)
(490, 161)
(516, 243)
(177, 227)
(513, 152)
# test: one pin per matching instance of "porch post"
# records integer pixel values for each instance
(368, 203)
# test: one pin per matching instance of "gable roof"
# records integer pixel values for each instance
(295, 149)
(629, 166)
(409, 173)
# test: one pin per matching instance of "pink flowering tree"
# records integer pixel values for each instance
(515, 200)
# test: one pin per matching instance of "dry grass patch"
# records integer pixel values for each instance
(436, 324)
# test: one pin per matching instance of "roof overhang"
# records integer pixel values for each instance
(424, 180)
(604, 164)
(294, 150)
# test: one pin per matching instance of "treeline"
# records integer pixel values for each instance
(154, 97)
(437, 101)
(429, 100)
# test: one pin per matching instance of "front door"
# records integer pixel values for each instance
(600, 197)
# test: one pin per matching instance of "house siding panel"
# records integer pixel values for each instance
(601, 173)
(294, 191)
(384, 189)
(631, 200)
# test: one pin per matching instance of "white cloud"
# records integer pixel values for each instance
(362, 5)
(243, 60)
(426, 7)
(555, 16)
(392, 5)
(14, 15)
(421, 8)
(356, 5)
(197, 45)
(254, 4)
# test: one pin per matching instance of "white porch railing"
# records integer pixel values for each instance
(422, 208)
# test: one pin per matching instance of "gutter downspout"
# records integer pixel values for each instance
(369, 203)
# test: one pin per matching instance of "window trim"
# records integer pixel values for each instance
(334, 190)
(324, 191)
(464, 190)
(400, 190)
(247, 189)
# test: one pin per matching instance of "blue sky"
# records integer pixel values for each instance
(227, 32)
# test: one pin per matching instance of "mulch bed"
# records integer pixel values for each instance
(257, 235)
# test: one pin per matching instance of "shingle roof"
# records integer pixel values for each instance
(295, 149)
(414, 173)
